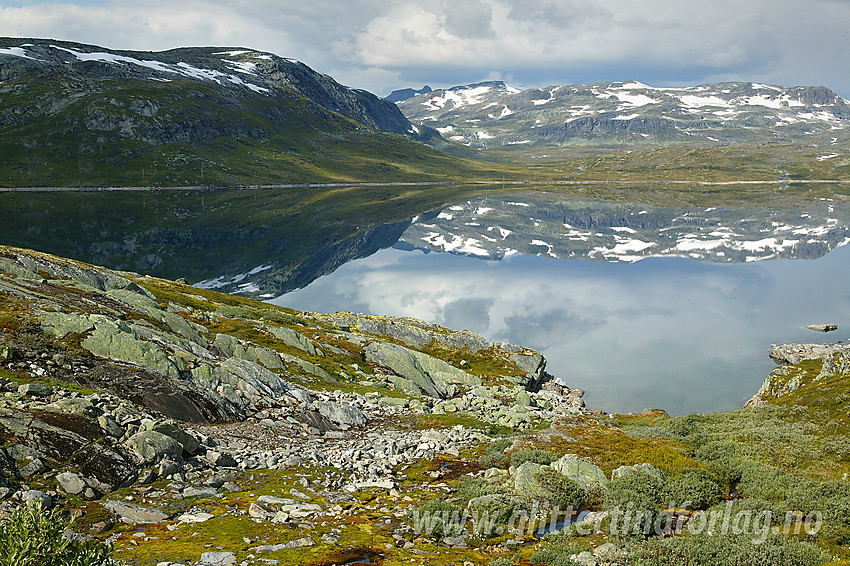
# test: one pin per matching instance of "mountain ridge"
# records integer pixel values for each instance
(73, 114)
(490, 114)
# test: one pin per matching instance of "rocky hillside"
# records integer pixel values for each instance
(492, 114)
(186, 426)
(74, 114)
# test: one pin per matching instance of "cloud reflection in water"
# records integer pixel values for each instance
(674, 333)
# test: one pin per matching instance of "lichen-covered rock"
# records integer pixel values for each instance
(35, 389)
(60, 324)
(294, 339)
(169, 428)
(533, 364)
(341, 413)
(218, 559)
(265, 357)
(141, 302)
(430, 375)
(115, 340)
(183, 327)
(72, 483)
(526, 483)
(73, 406)
(308, 367)
(59, 442)
(150, 447)
(134, 514)
(523, 399)
(585, 472)
(109, 426)
(36, 497)
(239, 381)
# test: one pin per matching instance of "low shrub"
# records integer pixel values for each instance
(556, 553)
(32, 536)
(438, 518)
(469, 487)
(693, 485)
(565, 492)
(495, 456)
(637, 489)
(731, 550)
(542, 457)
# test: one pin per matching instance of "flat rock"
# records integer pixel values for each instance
(297, 543)
(218, 559)
(35, 389)
(195, 518)
(71, 482)
(36, 497)
(134, 514)
(193, 491)
(150, 446)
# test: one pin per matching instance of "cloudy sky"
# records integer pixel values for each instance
(381, 45)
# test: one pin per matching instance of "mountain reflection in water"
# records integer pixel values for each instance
(677, 333)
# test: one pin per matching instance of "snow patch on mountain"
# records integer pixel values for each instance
(16, 52)
(182, 69)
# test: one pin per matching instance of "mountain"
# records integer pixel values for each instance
(74, 114)
(493, 114)
(548, 225)
(405, 93)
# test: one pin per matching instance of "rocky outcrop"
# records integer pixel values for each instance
(66, 439)
(172, 394)
(418, 373)
(581, 471)
(834, 359)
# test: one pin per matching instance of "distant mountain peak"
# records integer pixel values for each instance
(405, 93)
(628, 112)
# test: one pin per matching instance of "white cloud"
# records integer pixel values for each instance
(378, 45)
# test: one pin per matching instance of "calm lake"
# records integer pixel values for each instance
(640, 306)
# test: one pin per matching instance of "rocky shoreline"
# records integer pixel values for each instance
(190, 427)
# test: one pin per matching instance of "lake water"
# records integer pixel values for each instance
(686, 334)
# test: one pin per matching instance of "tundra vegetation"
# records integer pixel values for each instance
(187, 426)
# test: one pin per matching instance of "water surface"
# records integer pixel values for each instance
(679, 333)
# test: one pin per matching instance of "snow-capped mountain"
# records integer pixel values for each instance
(494, 114)
(232, 74)
(550, 226)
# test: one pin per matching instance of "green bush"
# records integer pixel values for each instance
(536, 456)
(731, 550)
(469, 487)
(832, 500)
(492, 515)
(633, 501)
(495, 456)
(438, 518)
(638, 488)
(695, 486)
(556, 553)
(761, 481)
(32, 536)
(565, 493)
(501, 562)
